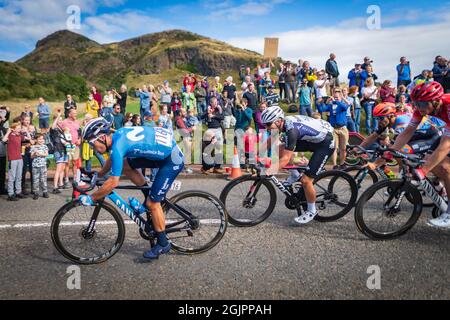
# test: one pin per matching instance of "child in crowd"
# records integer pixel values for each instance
(39, 153)
(14, 139)
(70, 147)
(191, 119)
(176, 102)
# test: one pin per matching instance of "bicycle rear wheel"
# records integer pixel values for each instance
(249, 200)
(336, 193)
(388, 209)
(73, 239)
(209, 221)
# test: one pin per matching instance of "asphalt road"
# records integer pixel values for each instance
(275, 260)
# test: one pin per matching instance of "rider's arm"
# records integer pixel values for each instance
(106, 189)
(438, 155)
(105, 169)
(404, 137)
(370, 140)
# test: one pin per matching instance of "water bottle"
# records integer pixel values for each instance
(137, 206)
(390, 174)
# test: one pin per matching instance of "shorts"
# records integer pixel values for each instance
(44, 123)
(166, 175)
(322, 151)
(61, 157)
(74, 154)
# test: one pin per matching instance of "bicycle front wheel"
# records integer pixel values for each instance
(388, 209)
(84, 240)
(336, 194)
(208, 225)
(249, 200)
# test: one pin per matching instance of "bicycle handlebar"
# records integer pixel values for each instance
(92, 182)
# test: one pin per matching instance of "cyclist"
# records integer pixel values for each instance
(302, 134)
(132, 149)
(426, 136)
(429, 100)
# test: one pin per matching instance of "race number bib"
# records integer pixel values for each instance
(163, 137)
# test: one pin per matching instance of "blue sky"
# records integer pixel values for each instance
(243, 23)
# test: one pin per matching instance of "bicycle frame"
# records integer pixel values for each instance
(143, 224)
(431, 192)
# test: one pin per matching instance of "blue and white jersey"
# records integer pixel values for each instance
(140, 142)
(306, 129)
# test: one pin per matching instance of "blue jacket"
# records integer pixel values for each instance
(338, 113)
(44, 111)
(243, 118)
(144, 100)
(353, 78)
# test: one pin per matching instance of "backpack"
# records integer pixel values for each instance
(49, 143)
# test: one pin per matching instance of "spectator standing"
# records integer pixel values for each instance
(215, 93)
(29, 133)
(166, 95)
(39, 153)
(176, 102)
(200, 96)
(43, 111)
(369, 98)
(367, 63)
(14, 139)
(137, 120)
(230, 87)
(338, 119)
(214, 120)
(440, 72)
(164, 120)
(265, 83)
(332, 70)
(73, 125)
(153, 100)
(369, 74)
(305, 98)
(404, 73)
(118, 117)
(290, 83)
(109, 99)
(228, 118)
(144, 100)
(59, 144)
(186, 133)
(69, 104)
(354, 94)
(320, 85)
(357, 77)
(4, 117)
(188, 99)
(349, 101)
(218, 85)
(387, 92)
(92, 106)
(258, 123)
(97, 96)
(281, 73)
(121, 98)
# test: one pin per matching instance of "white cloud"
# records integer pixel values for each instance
(119, 26)
(227, 10)
(420, 44)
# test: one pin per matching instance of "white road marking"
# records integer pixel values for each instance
(83, 223)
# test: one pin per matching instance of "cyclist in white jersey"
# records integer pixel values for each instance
(302, 134)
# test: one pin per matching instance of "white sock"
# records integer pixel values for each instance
(293, 177)
(312, 207)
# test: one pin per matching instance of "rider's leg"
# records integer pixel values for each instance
(135, 175)
(310, 192)
(442, 171)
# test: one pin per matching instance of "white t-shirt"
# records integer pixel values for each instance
(321, 92)
(369, 90)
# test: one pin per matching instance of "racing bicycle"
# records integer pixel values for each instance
(196, 222)
(251, 199)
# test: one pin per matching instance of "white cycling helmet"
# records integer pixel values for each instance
(272, 114)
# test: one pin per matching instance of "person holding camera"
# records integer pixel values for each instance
(404, 73)
(121, 98)
(69, 104)
(214, 118)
